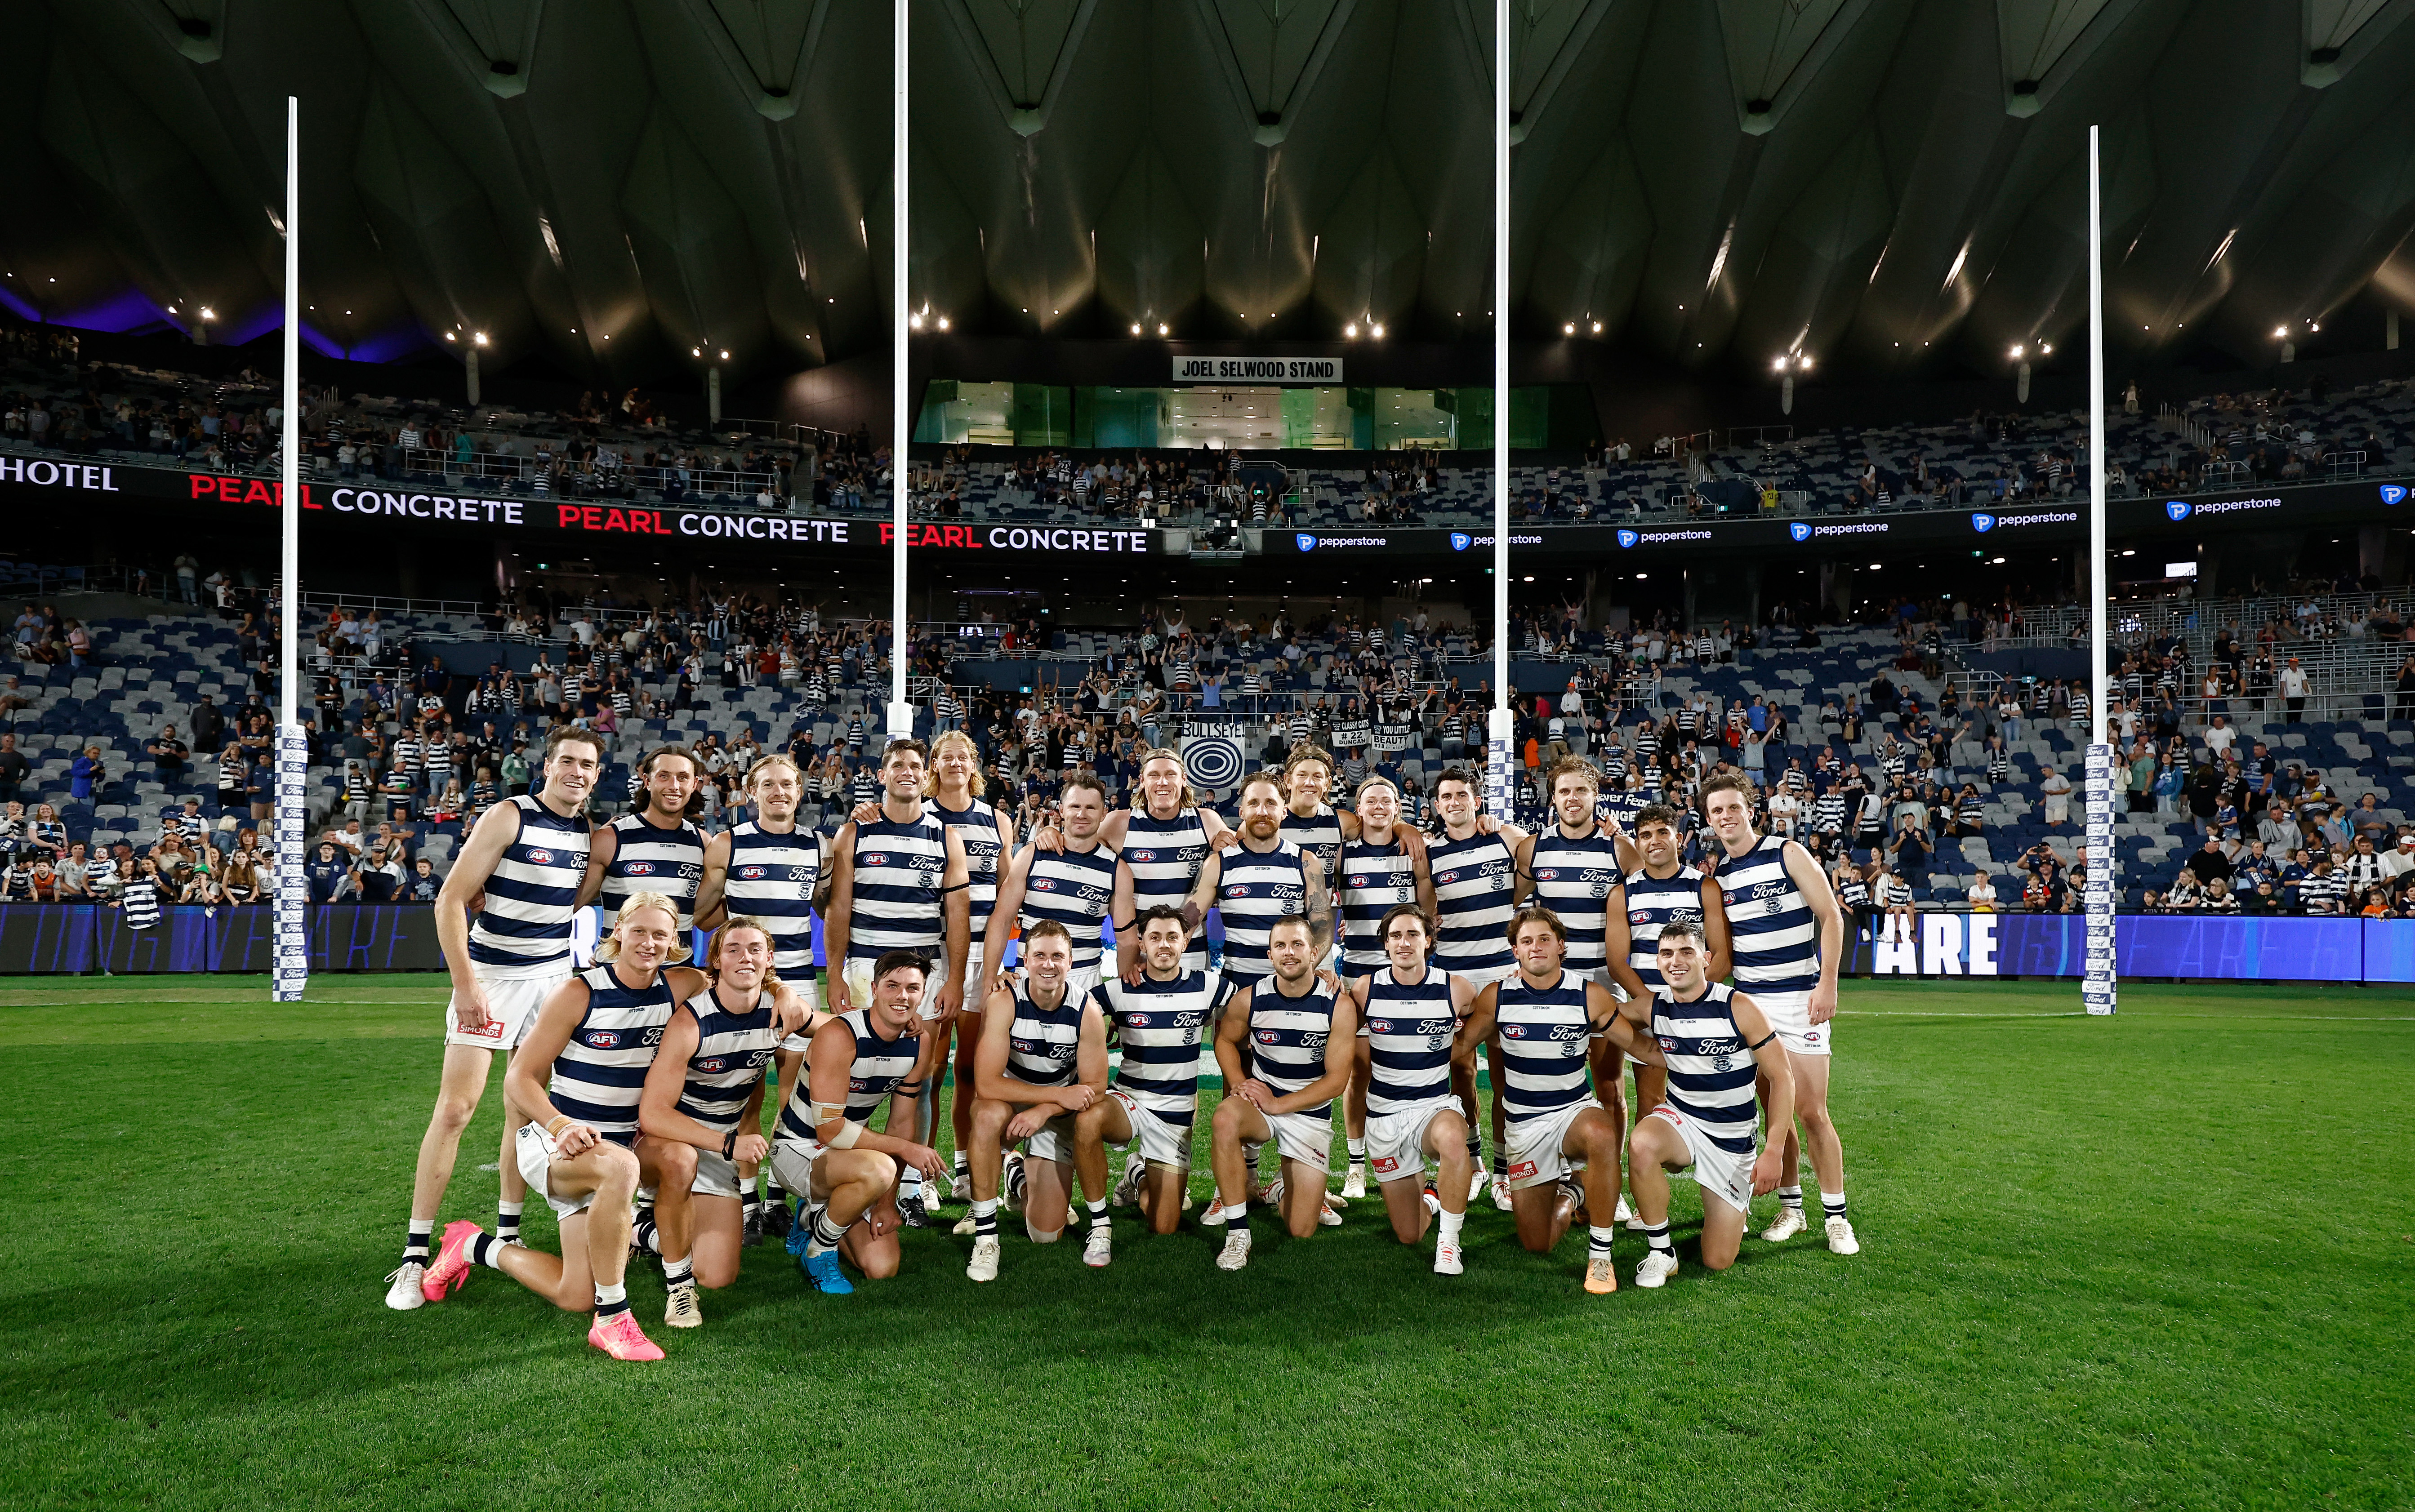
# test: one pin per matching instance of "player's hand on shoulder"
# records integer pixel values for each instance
(864, 814)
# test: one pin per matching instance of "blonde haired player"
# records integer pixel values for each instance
(581, 1150)
(774, 873)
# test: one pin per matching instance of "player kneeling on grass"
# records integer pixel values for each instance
(1715, 1042)
(702, 1106)
(1159, 1022)
(845, 1173)
(1541, 1020)
(1285, 1048)
(1409, 1014)
(1042, 1059)
(580, 1149)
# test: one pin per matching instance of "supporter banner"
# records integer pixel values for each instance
(1258, 369)
(43, 939)
(2145, 945)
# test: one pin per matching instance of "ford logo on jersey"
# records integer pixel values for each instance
(1799, 530)
(751, 874)
(1982, 523)
(604, 1038)
(540, 858)
(2178, 509)
(1628, 538)
(1458, 539)
(2392, 493)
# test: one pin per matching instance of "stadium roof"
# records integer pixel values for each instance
(1887, 185)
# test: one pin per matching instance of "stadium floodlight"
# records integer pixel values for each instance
(1376, 330)
(1163, 329)
(292, 955)
(943, 323)
(1597, 328)
(1569, 328)
(449, 337)
(1135, 327)
(1778, 364)
(914, 320)
(2018, 353)
(1351, 330)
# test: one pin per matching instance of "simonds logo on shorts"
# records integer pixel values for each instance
(1521, 1171)
(1386, 1165)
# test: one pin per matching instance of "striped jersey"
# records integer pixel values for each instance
(899, 870)
(731, 1050)
(977, 830)
(878, 1066)
(1474, 881)
(523, 930)
(1256, 888)
(139, 905)
(1318, 835)
(1371, 879)
(1165, 857)
(1072, 887)
(1409, 1034)
(772, 878)
(1771, 933)
(599, 1075)
(1543, 1033)
(1572, 877)
(1042, 1042)
(1710, 1067)
(1287, 1038)
(1160, 1026)
(647, 858)
(1653, 903)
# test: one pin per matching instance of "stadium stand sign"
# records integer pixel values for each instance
(1258, 369)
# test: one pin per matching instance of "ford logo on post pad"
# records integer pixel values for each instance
(1982, 523)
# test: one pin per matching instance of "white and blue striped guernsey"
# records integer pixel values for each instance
(1572, 878)
(1042, 1042)
(523, 929)
(899, 871)
(1710, 1067)
(1287, 1039)
(1409, 1034)
(731, 1050)
(1165, 857)
(1318, 835)
(647, 858)
(1653, 903)
(1544, 1031)
(1771, 933)
(1160, 1026)
(977, 830)
(772, 878)
(139, 905)
(1255, 890)
(878, 1066)
(599, 1075)
(1370, 881)
(1072, 887)
(1475, 880)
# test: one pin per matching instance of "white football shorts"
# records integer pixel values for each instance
(513, 1004)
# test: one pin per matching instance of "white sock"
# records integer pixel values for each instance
(1600, 1240)
(1236, 1219)
(1832, 1202)
(1790, 1197)
(1358, 1149)
(606, 1296)
(1450, 1223)
(680, 1272)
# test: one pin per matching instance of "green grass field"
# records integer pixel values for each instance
(2161, 1260)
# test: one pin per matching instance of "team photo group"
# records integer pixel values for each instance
(1059, 992)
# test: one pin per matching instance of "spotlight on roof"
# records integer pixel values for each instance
(1597, 328)
(448, 336)
(1351, 330)
(1375, 330)
(696, 352)
(2020, 350)
(1135, 327)
(2047, 348)
(914, 322)
(480, 338)
(1804, 362)
(1778, 364)
(1568, 329)
(943, 323)
(1163, 329)
(2280, 331)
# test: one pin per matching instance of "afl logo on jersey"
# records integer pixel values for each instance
(540, 858)
(856, 1084)
(1513, 1031)
(638, 869)
(1043, 884)
(604, 1038)
(1137, 1021)
(1548, 874)
(716, 1063)
(1362, 881)
(751, 873)
(1267, 1036)
(1447, 879)
(1379, 1025)
(1238, 889)
(1640, 915)
(874, 859)
(1142, 856)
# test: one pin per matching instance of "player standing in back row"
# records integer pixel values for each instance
(526, 859)
(1381, 869)
(1787, 938)
(1475, 887)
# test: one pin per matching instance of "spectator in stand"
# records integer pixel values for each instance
(2210, 862)
(2293, 691)
(14, 768)
(2055, 789)
(1981, 894)
(2218, 898)
(170, 755)
(1894, 896)
(86, 774)
(379, 877)
(423, 884)
(329, 872)
(260, 787)
(2185, 894)
(244, 881)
